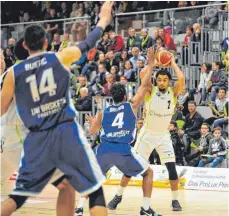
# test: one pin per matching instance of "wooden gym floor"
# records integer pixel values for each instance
(194, 203)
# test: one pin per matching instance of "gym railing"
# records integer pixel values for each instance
(15, 30)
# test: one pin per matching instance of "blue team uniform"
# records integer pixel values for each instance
(118, 131)
(55, 139)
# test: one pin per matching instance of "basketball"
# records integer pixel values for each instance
(164, 58)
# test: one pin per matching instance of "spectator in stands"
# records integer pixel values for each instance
(193, 159)
(168, 40)
(133, 40)
(98, 82)
(146, 41)
(64, 11)
(56, 43)
(84, 103)
(159, 44)
(140, 66)
(111, 60)
(107, 86)
(217, 149)
(187, 39)
(82, 83)
(188, 35)
(191, 126)
(128, 71)
(65, 42)
(177, 143)
(35, 10)
(219, 108)
(114, 72)
(210, 16)
(122, 58)
(205, 75)
(218, 79)
(95, 17)
(26, 18)
(74, 12)
(8, 58)
(136, 56)
(130, 89)
(11, 44)
(46, 11)
(103, 43)
(225, 54)
(116, 42)
(177, 116)
(196, 37)
(52, 27)
(183, 101)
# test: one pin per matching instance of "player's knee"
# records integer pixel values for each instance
(97, 198)
(148, 172)
(19, 200)
(171, 167)
(64, 184)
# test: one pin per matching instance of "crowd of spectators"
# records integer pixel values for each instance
(115, 59)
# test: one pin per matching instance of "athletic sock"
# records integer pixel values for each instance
(175, 195)
(146, 203)
(81, 202)
(120, 191)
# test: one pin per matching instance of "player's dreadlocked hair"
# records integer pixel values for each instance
(118, 92)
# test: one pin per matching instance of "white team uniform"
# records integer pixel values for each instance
(154, 134)
(12, 134)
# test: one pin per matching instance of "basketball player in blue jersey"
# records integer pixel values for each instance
(13, 133)
(41, 88)
(118, 123)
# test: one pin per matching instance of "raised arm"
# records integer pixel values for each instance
(95, 123)
(72, 54)
(180, 78)
(146, 84)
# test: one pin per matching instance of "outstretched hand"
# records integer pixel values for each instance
(90, 119)
(151, 57)
(105, 12)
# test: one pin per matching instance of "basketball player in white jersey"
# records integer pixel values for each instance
(160, 102)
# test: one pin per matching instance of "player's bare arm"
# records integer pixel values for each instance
(70, 55)
(180, 78)
(95, 123)
(146, 85)
(7, 92)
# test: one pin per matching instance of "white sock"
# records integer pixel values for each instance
(81, 202)
(146, 203)
(175, 195)
(120, 191)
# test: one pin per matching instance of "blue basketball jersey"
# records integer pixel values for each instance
(118, 124)
(42, 92)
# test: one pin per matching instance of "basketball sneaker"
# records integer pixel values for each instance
(176, 205)
(78, 211)
(149, 212)
(114, 202)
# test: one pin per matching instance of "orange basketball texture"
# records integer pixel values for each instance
(163, 57)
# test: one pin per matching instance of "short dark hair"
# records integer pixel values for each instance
(173, 123)
(118, 92)
(19, 50)
(35, 36)
(217, 129)
(206, 124)
(225, 91)
(164, 72)
(192, 102)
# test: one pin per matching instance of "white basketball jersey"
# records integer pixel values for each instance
(159, 110)
(13, 130)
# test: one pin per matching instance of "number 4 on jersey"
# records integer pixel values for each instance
(118, 121)
(47, 84)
